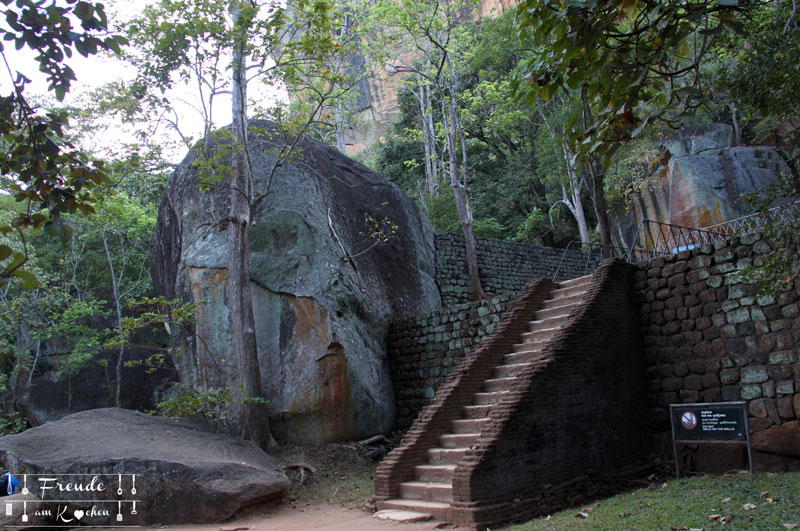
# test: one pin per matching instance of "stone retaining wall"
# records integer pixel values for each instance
(505, 267)
(423, 350)
(709, 338)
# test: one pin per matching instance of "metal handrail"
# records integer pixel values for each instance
(655, 238)
(617, 252)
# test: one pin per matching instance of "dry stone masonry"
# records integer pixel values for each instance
(424, 350)
(505, 267)
(710, 338)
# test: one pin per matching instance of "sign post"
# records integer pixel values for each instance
(716, 422)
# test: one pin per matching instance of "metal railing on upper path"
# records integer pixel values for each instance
(654, 238)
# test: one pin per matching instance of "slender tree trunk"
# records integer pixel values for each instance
(118, 307)
(735, 118)
(598, 192)
(460, 192)
(255, 422)
(427, 139)
(341, 145)
(601, 210)
(572, 197)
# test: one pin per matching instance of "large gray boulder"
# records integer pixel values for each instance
(324, 291)
(702, 180)
(183, 474)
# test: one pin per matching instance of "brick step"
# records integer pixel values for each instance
(570, 290)
(477, 411)
(550, 321)
(446, 456)
(435, 473)
(529, 346)
(482, 399)
(498, 384)
(427, 491)
(469, 425)
(587, 279)
(439, 510)
(458, 440)
(562, 301)
(540, 335)
(524, 356)
(510, 370)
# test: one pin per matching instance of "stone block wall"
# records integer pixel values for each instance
(505, 267)
(424, 350)
(710, 338)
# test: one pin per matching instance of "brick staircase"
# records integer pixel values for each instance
(431, 490)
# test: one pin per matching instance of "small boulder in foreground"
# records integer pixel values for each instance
(121, 467)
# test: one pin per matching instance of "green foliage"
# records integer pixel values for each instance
(211, 407)
(631, 172)
(40, 167)
(631, 60)
(441, 210)
(10, 422)
(534, 225)
(779, 269)
(148, 313)
(758, 70)
(74, 324)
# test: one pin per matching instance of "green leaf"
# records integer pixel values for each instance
(5, 252)
(29, 280)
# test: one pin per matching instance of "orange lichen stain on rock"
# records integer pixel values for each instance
(312, 321)
(334, 396)
(662, 176)
(704, 216)
(208, 289)
(325, 406)
(682, 200)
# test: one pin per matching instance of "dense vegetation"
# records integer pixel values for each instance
(538, 125)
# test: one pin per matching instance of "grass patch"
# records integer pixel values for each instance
(688, 504)
(344, 475)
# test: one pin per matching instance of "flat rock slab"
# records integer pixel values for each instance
(20, 505)
(402, 516)
(103, 460)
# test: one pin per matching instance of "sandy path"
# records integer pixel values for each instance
(284, 517)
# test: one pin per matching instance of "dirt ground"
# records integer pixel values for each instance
(286, 517)
(328, 494)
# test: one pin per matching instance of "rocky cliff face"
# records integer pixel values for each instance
(703, 180)
(321, 317)
(377, 105)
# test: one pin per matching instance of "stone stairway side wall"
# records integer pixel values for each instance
(567, 423)
(505, 267)
(710, 338)
(457, 391)
(424, 350)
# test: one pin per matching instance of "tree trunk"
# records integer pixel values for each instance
(427, 140)
(341, 145)
(460, 192)
(254, 419)
(118, 306)
(572, 197)
(598, 193)
(601, 210)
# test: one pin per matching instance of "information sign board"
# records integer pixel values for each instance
(712, 422)
(716, 422)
